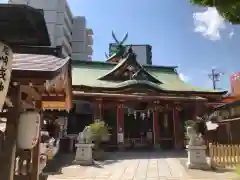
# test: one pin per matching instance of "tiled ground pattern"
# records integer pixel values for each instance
(143, 166)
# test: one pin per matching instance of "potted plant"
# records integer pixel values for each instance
(99, 133)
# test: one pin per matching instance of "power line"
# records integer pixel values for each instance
(215, 77)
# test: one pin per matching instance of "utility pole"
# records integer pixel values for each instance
(215, 77)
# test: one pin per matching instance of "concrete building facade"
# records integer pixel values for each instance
(64, 29)
(82, 40)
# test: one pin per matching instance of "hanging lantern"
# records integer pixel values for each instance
(28, 129)
(148, 113)
(143, 115)
(129, 111)
(135, 115)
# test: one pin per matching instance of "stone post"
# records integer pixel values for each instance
(196, 151)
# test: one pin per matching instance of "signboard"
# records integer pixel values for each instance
(54, 105)
(6, 57)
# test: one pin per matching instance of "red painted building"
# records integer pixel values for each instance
(235, 84)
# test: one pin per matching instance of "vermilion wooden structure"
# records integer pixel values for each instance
(40, 77)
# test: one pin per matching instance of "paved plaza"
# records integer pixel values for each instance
(137, 166)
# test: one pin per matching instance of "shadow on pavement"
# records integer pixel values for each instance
(117, 156)
(183, 162)
(55, 166)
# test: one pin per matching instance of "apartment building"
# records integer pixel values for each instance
(64, 29)
(82, 40)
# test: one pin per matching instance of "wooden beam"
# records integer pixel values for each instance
(77, 94)
(36, 151)
(3, 115)
(55, 51)
(27, 105)
(26, 81)
(31, 91)
(9, 151)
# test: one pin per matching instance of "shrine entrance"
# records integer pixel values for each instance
(166, 129)
(138, 129)
(109, 117)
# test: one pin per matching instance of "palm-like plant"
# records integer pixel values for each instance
(99, 133)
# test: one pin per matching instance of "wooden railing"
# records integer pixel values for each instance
(225, 155)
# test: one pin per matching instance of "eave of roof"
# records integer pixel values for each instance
(138, 97)
(136, 84)
(236, 102)
(23, 25)
(38, 66)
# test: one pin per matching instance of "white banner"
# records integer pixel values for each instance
(6, 58)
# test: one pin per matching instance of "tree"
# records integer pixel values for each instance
(229, 9)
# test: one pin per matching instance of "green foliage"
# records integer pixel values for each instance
(99, 132)
(238, 169)
(206, 3)
(229, 9)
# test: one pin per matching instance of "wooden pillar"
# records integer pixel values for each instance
(36, 150)
(156, 133)
(178, 136)
(196, 112)
(98, 113)
(120, 119)
(9, 150)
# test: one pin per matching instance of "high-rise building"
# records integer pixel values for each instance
(64, 29)
(82, 40)
(143, 52)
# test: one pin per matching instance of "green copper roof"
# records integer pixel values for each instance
(130, 61)
(88, 73)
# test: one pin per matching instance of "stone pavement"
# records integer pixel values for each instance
(137, 166)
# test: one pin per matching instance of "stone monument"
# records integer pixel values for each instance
(196, 151)
(84, 147)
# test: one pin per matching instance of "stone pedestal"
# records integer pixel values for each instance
(197, 157)
(84, 154)
(43, 163)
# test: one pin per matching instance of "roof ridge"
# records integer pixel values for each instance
(80, 62)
